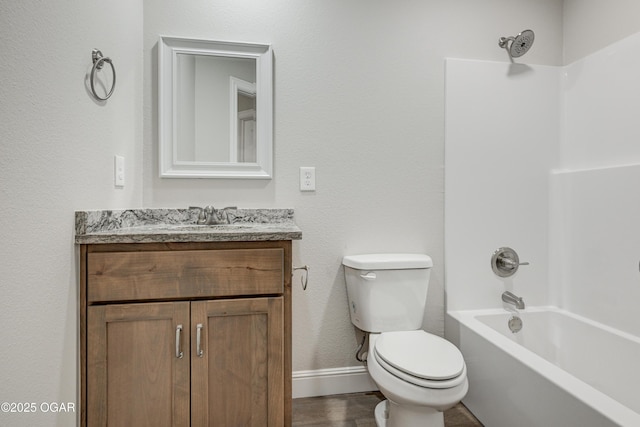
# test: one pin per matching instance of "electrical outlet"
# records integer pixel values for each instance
(307, 179)
(118, 171)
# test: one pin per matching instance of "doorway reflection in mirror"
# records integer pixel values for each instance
(208, 114)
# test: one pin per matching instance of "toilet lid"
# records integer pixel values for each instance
(420, 354)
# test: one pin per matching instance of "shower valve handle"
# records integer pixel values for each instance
(505, 262)
(509, 263)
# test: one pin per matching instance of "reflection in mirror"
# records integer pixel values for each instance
(246, 138)
(208, 105)
(215, 109)
(243, 120)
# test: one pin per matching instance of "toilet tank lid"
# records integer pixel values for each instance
(387, 261)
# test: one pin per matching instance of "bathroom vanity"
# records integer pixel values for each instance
(185, 325)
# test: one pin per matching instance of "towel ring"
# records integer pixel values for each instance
(98, 63)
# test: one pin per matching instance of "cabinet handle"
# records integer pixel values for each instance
(179, 352)
(199, 351)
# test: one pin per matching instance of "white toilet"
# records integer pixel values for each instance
(419, 373)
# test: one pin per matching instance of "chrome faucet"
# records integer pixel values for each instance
(510, 298)
(212, 216)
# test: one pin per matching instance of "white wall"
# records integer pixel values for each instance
(57, 146)
(591, 25)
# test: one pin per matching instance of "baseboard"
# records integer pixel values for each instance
(325, 382)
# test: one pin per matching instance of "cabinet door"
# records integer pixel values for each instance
(135, 375)
(237, 378)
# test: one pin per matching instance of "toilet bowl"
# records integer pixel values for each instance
(413, 400)
(419, 373)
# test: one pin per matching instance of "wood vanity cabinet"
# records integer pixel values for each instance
(186, 334)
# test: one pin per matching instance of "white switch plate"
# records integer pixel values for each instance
(118, 171)
(307, 178)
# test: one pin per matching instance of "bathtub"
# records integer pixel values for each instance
(561, 369)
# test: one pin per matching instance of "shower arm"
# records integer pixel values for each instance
(502, 41)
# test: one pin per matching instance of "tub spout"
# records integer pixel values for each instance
(510, 298)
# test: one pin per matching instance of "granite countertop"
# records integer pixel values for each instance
(179, 225)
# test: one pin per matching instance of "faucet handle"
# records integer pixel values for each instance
(510, 263)
(225, 213)
(505, 262)
(202, 215)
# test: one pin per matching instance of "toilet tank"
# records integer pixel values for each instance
(387, 292)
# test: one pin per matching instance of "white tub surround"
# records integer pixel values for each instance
(561, 369)
(502, 129)
(545, 160)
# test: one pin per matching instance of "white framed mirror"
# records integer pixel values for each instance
(215, 109)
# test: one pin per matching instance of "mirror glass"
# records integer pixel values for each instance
(215, 112)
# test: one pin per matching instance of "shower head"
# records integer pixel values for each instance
(516, 46)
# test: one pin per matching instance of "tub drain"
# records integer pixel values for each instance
(515, 324)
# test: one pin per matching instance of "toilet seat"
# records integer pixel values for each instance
(420, 358)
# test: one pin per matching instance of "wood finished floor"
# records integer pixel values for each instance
(356, 410)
